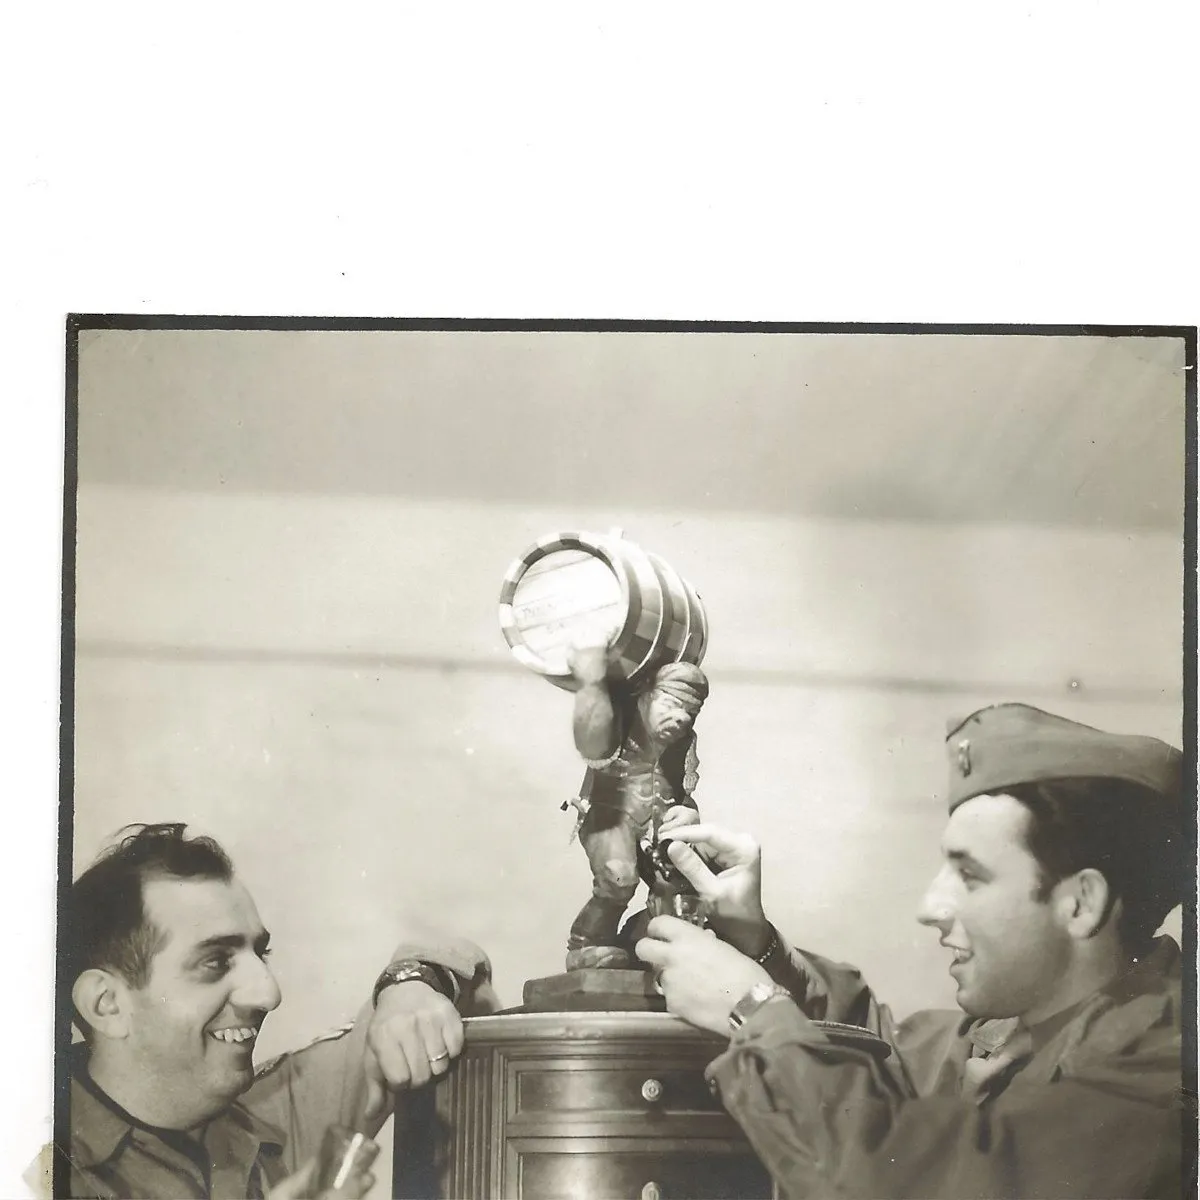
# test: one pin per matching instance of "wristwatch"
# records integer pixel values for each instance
(409, 969)
(753, 1000)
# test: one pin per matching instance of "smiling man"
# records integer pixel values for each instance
(171, 987)
(1062, 1075)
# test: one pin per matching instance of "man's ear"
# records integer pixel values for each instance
(1084, 903)
(102, 999)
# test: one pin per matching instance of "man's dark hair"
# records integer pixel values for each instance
(105, 923)
(1132, 836)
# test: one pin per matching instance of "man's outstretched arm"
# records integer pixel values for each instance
(396, 1042)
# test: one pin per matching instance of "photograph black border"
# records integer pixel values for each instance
(79, 322)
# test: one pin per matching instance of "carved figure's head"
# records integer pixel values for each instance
(673, 701)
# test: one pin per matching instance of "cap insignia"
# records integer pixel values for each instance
(964, 756)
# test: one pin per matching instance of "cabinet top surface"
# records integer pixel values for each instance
(584, 1026)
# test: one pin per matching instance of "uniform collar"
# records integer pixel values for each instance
(1149, 974)
(100, 1127)
(236, 1140)
(98, 1130)
(1162, 965)
(989, 1034)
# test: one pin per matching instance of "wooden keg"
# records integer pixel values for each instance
(569, 586)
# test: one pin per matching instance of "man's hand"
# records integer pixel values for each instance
(701, 977)
(676, 817)
(296, 1187)
(735, 891)
(414, 1035)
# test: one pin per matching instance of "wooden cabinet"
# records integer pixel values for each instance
(577, 1106)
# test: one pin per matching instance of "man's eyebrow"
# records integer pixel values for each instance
(232, 941)
(962, 858)
(222, 940)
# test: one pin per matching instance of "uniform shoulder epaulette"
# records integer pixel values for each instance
(331, 1035)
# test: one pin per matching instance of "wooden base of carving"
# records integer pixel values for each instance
(594, 989)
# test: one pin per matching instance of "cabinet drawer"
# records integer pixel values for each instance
(632, 1169)
(616, 1088)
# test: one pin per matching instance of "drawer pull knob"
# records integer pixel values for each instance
(652, 1090)
(652, 1191)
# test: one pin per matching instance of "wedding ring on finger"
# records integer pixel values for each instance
(437, 1058)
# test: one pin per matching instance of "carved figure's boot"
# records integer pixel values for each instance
(592, 942)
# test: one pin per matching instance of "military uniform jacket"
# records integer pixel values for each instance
(1087, 1105)
(272, 1130)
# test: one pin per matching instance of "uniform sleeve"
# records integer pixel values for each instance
(926, 1047)
(468, 963)
(304, 1091)
(828, 991)
(832, 1121)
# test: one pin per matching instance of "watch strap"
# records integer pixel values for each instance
(753, 1000)
(411, 969)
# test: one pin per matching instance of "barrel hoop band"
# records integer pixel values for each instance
(676, 614)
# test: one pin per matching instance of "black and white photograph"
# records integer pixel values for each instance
(625, 759)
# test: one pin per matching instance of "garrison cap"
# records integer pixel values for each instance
(1011, 744)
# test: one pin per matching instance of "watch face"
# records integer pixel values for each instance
(406, 973)
(757, 996)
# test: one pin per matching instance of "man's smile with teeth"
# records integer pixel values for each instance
(244, 1033)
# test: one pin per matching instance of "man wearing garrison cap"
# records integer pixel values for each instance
(1061, 1076)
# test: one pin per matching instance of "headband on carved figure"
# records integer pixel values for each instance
(687, 683)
